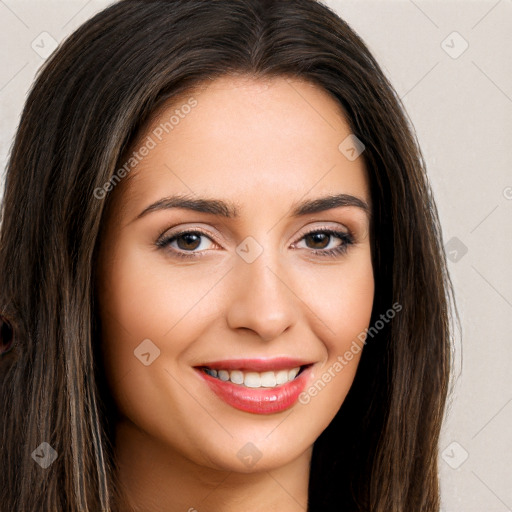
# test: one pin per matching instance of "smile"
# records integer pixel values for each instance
(269, 379)
(257, 386)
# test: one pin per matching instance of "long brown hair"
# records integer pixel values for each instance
(88, 103)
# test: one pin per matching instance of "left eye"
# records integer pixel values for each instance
(321, 239)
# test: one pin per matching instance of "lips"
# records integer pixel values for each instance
(252, 398)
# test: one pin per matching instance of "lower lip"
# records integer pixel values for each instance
(258, 400)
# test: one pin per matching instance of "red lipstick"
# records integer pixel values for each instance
(262, 400)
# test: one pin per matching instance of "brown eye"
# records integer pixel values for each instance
(188, 241)
(186, 244)
(319, 240)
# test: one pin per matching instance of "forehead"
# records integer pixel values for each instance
(273, 137)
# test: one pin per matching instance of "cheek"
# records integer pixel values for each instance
(133, 308)
(341, 297)
(137, 307)
(352, 308)
(140, 301)
(343, 304)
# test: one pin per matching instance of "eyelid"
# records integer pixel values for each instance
(169, 233)
(325, 227)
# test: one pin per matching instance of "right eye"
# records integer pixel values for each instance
(184, 244)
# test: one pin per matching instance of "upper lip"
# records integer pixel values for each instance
(256, 365)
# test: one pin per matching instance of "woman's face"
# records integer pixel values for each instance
(220, 252)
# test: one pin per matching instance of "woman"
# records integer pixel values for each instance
(223, 281)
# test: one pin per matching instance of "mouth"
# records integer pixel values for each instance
(257, 386)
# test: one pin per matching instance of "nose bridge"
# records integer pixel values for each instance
(262, 300)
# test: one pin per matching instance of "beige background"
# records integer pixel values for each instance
(451, 63)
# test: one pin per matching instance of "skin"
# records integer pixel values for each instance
(263, 145)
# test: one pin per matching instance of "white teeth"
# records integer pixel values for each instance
(237, 377)
(255, 379)
(268, 379)
(252, 380)
(293, 373)
(282, 376)
(223, 375)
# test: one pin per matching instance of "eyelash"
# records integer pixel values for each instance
(347, 239)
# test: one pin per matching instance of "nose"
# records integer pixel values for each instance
(262, 300)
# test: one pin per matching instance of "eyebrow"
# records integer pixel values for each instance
(231, 210)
